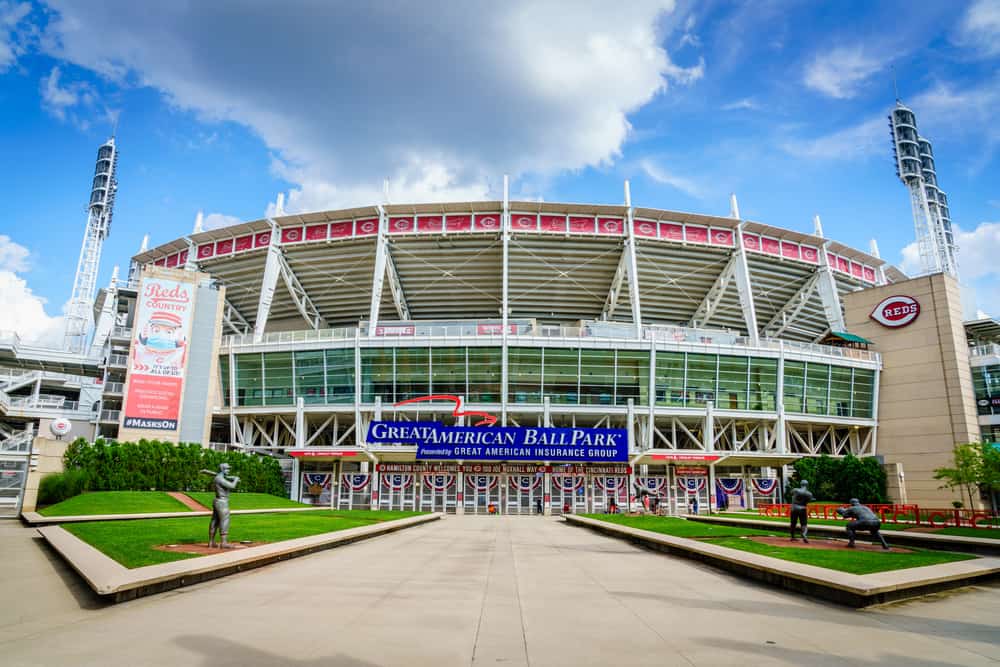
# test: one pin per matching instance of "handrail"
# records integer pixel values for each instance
(986, 350)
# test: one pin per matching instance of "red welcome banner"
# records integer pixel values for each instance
(158, 361)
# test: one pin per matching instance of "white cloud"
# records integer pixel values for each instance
(747, 103)
(977, 266)
(660, 175)
(853, 142)
(11, 14)
(839, 73)
(440, 98)
(979, 29)
(217, 220)
(60, 100)
(24, 311)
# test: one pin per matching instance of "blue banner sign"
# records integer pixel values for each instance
(504, 443)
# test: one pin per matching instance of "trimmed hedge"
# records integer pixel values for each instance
(153, 465)
(59, 486)
(841, 479)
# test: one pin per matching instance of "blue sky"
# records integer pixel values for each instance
(223, 106)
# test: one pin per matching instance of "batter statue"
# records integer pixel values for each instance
(863, 519)
(220, 506)
(800, 498)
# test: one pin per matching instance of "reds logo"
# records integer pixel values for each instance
(896, 311)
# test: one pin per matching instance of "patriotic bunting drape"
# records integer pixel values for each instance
(524, 482)
(765, 486)
(481, 482)
(692, 485)
(567, 482)
(356, 481)
(397, 482)
(439, 482)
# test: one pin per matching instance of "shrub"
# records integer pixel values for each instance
(153, 464)
(58, 487)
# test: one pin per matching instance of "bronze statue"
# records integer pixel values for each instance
(863, 519)
(800, 498)
(220, 506)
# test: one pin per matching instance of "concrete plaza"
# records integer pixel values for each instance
(474, 591)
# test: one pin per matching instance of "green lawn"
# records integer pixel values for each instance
(131, 542)
(115, 502)
(733, 537)
(988, 533)
(246, 501)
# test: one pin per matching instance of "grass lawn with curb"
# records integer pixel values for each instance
(131, 542)
(854, 562)
(115, 502)
(986, 533)
(246, 501)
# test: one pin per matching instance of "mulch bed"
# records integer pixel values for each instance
(823, 543)
(202, 549)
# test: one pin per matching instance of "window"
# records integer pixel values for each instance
(224, 378)
(670, 378)
(597, 377)
(524, 374)
(309, 382)
(840, 391)
(732, 383)
(278, 386)
(412, 373)
(701, 372)
(864, 392)
(249, 380)
(340, 376)
(378, 375)
(561, 375)
(632, 381)
(484, 374)
(448, 371)
(763, 384)
(794, 386)
(817, 388)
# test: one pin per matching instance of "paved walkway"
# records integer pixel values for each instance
(474, 591)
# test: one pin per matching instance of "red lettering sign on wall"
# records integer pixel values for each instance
(896, 311)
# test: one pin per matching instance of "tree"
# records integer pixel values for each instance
(989, 478)
(966, 473)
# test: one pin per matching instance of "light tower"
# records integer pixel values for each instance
(99, 211)
(931, 218)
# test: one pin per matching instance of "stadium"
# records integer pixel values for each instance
(697, 334)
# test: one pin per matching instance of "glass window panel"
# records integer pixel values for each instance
(864, 392)
(840, 391)
(378, 376)
(448, 371)
(701, 378)
(484, 374)
(763, 384)
(561, 374)
(309, 382)
(633, 377)
(412, 372)
(732, 383)
(524, 374)
(278, 379)
(224, 378)
(597, 377)
(340, 375)
(249, 380)
(670, 378)
(794, 386)
(817, 386)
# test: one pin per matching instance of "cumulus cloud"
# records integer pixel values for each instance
(977, 265)
(439, 97)
(979, 29)
(840, 72)
(23, 310)
(852, 142)
(218, 220)
(661, 175)
(11, 15)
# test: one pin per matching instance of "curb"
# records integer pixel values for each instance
(851, 590)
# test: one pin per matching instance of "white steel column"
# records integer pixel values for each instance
(504, 300)
(743, 287)
(268, 283)
(300, 422)
(633, 271)
(378, 277)
(708, 432)
(779, 403)
(827, 288)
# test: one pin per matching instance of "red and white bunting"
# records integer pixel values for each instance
(567, 482)
(481, 482)
(439, 482)
(356, 481)
(524, 482)
(397, 482)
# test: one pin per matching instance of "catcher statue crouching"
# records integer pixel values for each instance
(863, 519)
(220, 506)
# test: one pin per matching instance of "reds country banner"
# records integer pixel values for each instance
(159, 355)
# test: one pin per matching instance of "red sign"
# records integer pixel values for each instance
(324, 453)
(367, 227)
(695, 234)
(708, 458)
(206, 250)
(244, 243)
(291, 235)
(789, 250)
(643, 228)
(458, 223)
(810, 255)
(722, 237)
(262, 239)
(690, 471)
(869, 274)
(523, 223)
(405, 330)
(430, 223)
(494, 329)
(896, 311)
(751, 242)
(580, 225)
(224, 247)
(671, 231)
(610, 226)
(340, 230)
(487, 223)
(401, 225)
(316, 232)
(770, 246)
(553, 223)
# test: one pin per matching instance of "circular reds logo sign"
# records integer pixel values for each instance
(896, 311)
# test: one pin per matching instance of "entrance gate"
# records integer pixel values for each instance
(524, 494)
(569, 493)
(607, 488)
(438, 492)
(659, 486)
(398, 491)
(482, 492)
(354, 492)
(691, 488)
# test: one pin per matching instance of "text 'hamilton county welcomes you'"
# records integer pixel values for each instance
(504, 443)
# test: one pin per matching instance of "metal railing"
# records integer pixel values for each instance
(114, 388)
(121, 332)
(44, 402)
(987, 350)
(19, 442)
(113, 416)
(596, 331)
(4, 401)
(120, 360)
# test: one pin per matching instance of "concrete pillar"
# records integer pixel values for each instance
(460, 492)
